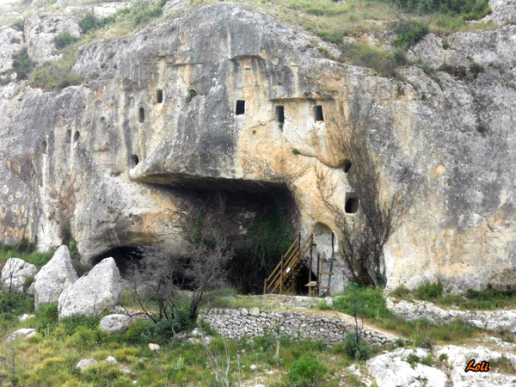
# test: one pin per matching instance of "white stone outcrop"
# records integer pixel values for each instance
(94, 293)
(115, 323)
(457, 359)
(85, 363)
(24, 333)
(393, 369)
(14, 274)
(54, 278)
(490, 320)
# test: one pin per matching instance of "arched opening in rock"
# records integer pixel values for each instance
(76, 136)
(280, 114)
(347, 166)
(44, 147)
(240, 107)
(68, 138)
(318, 113)
(126, 258)
(134, 161)
(141, 115)
(159, 96)
(352, 203)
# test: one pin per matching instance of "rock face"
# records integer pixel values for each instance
(115, 323)
(94, 293)
(54, 277)
(155, 131)
(490, 320)
(14, 274)
(393, 369)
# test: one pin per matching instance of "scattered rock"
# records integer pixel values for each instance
(94, 293)
(54, 277)
(115, 323)
(154, 347)
(25, 317)
(15, 272)
(111, 359)
(392, 369)
(255, 312)
(85, 363)
(253, 367)
(24, 333)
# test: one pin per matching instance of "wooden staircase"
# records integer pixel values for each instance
(282, 279)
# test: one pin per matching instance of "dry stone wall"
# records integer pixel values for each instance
(243, 323)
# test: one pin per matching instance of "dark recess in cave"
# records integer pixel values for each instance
(126, 257)
(347, 166)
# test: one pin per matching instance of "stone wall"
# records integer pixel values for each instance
(243, 323)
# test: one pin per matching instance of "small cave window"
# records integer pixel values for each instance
(318, 113)
(68, 136)
(159, 96)
(76, 136)
(134, 161)
(347, 166)
(44, 147)
(280, 114)
(141, 115)
(352, 203)
(240, 107)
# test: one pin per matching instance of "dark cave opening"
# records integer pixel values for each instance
(126, 258)
(240, 107)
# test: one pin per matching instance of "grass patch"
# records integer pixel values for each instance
(27, 251)
(57, 74)
(22, 64)
(383, 63)
(409, 32)
(64, 39)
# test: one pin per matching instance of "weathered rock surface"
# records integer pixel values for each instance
(40, 33)
(448, 139)
(14, 274)
(23, 333)
(393, 369)
(11, 41)
(491, 320)
(115, 323)
(94, 293)
(459, 357)
(503, 11)
(25, 317)
(54, 277)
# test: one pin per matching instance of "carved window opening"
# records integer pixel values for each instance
(352, 204)
(318, 113)
(134, 161)
(76, 136)
(347, 166)
(159, 96)
(44, 147)
(240, 107)
(280, 114)
(141, 115)
(68, 136)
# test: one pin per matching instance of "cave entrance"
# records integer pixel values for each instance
(126, 258)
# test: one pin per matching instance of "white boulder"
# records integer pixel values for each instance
(85, 363)
(393, 369)
(94, 293)
(24, 333)
(115, 323)
(54, 277)
(14, 274)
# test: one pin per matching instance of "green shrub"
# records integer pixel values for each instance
(382, 62)
(57, 74)
(90, 22)
(409, 32)
(22, 64)
(46, 318)
(164, 330)
(306, 371)
(429, 291)
(295, 151)
(28, 282)
(64, 39)
(331, 36)
(369, 302)
(69, 325)
(19, 25)
(400, 292)
(15, 303)
(358, 350)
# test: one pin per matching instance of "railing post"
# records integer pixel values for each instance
(281, 277)
(265, 286)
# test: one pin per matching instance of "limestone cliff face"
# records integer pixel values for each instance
(123, 158)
